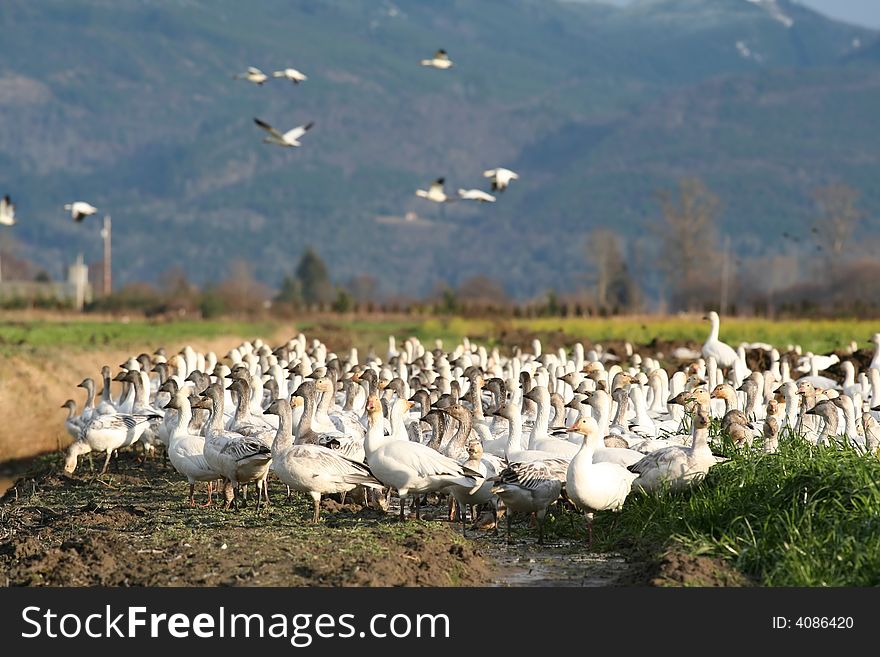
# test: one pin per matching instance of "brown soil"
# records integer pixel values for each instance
(677, 568)
(134, 528)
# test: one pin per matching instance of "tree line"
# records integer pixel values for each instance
(678, 263)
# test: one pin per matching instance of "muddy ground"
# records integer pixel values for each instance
(133, 527)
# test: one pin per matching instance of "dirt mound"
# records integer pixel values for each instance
(677, 568)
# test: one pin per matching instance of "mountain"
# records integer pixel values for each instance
(133, 107)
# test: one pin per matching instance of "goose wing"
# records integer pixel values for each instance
(268, 128)
(245, 448)
(297, 132)
(337, 466)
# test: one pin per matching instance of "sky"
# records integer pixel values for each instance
(860, 12)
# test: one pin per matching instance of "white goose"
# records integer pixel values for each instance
(435, 192)
(291, 74)
(106, 433)
(723, 353)
(529, 487)
(410, 467)
(439, 60)
(186, 451)
(253, 74)
(501, 178)
(238, 458)
(287, 139)
(676, 466)
(475, 195)
(595, 486)
(7, 211)
(79, 210)
(313, 469)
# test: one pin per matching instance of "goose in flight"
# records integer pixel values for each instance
(253, 74)
(440, 60)
(475, 195)
(435, 192)
(291, 74)
(289, 138)
(7, 211)
(501, 178)
(79, 210)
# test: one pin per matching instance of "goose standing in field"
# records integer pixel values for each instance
(872, 434)
(464, 498)
(529, 487)
(79, 210)
(725, 355)
(238, 458)
(439, 60)
(253, 74)
(7, 211)
(186, 451)
(287, 139)
(435, 192)
(676, 466)
(501, 178)
(475, 195)
(290, 74)
(107, 433)
(409, 467)
(595, 486)
(313, 469)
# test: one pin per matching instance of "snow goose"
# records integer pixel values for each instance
(872, 433)
(238, 458)
(723, 353)
(501, 178)
(289, 138)
(106, 433)
(291, 74)
(529, 487)
(253, 74)
(475, 195)
(410, 467)
(435, 192)
(186, 451)
(313, 469)
(827, 410)
(79, 210)
(488, 468)
(72, 422)
(875, 361)
(7, 211)
(439, 60)
(676, 466)
(595, 486)
(771, 434)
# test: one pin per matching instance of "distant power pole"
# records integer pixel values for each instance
(107, 266)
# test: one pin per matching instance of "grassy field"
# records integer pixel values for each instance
(365, 332)
(805, 516)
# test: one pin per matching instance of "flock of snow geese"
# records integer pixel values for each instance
(483, 429)
(500, 177)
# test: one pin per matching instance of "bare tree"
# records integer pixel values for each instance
(687, 235)
(836, 220)
(614, 283)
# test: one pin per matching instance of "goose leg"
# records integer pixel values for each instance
(316, 500)
(462, 511)
(106, 461)
(210, 490)
(507, 515)
(418, 501)
(541, 519)
(342, 498)
(495, 517)
(402, 509)
(192, 494)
